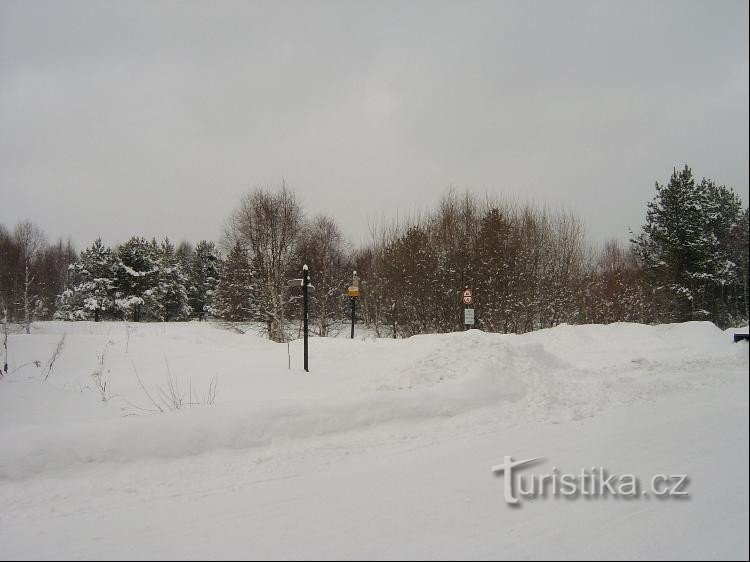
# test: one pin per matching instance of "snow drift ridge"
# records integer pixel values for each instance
(554, 375)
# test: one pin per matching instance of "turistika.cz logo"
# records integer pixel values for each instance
(589, 482)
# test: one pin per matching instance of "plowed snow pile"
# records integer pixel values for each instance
(161, 440)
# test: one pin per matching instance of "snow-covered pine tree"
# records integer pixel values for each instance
(91, 293)
(234, 298)
(738, 246)
(204, 277)
(137, 273)
(185, 253)
(683, 247)
(720, 272)
(172, 286)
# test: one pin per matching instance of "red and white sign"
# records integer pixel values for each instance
(466, 296)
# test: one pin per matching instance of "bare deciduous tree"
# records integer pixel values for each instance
(268, 223)
(31, 242)
(323, 249)
(4, 313)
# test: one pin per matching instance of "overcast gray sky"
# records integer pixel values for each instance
(152, 118)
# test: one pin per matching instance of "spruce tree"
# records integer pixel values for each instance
(234, 292)
(185, 253)
(172, 285)
(496, 250)
(204, 277)
(413, 268)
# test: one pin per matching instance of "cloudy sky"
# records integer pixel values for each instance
(121, 117)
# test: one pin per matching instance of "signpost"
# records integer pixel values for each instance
(353, 296)
(467, 298)
(306, 288)
(469, 316)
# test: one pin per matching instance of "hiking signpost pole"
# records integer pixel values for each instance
(305, 286)
(467, 298)
(353, 296)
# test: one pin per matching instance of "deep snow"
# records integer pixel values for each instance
(384, 450)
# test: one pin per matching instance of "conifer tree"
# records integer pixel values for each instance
(738, 247)
(234, 299)
(204, 277)
(412, 273)
(137, 274)
(496, 250)
(172, 285)
(683, 246)
(91, 295)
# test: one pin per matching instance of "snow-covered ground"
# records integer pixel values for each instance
(191, 441)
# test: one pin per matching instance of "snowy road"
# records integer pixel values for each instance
(421, 489)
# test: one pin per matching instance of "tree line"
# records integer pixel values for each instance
(529, 268)
(141, 280)
(33, 272)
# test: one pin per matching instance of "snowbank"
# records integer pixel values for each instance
(55, 418)
(383, 451)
